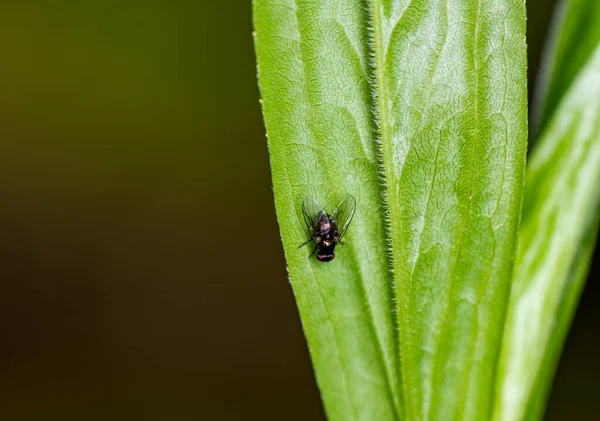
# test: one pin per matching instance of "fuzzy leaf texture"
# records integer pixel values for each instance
(423, 101)
(451, 81)
(558, 235)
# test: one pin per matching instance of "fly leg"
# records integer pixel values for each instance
(305, 243)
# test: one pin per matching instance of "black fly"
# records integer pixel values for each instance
(327, 230)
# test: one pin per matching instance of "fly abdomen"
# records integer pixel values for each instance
(325, 257)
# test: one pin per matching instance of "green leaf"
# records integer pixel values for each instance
(558, 232)
(451, 83)
(575, 34)
(313, 65)
(450, 86)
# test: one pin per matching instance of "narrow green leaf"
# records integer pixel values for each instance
(451, 83)
(558, 230)
(575, 34)
(313, 62)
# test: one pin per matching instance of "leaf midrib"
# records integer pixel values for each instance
(381, 114)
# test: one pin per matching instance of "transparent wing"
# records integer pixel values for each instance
(343, 214)
(311, 210)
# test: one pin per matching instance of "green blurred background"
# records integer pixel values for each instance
(142, 275)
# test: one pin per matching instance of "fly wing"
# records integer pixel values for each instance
(311, 209)
(343, 214)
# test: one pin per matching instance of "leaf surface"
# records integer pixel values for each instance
(451, 85)
(313, 63)
(450, 115)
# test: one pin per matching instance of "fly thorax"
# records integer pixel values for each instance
(324, 225)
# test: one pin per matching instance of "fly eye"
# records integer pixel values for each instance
(317, 239)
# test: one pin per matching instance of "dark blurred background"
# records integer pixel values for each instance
(142, 275)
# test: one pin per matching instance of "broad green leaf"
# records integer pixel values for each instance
(451, 85)
(575, 34)
(313, 66)
(558, 231)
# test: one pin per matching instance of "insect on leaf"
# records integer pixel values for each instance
(314, 76)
